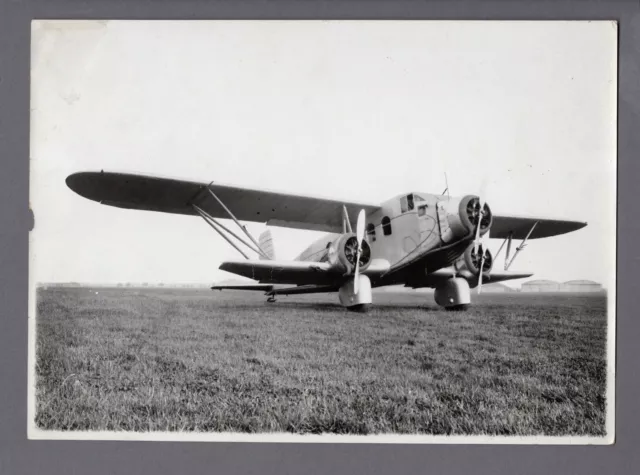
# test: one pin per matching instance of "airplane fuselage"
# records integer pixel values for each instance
(404, 228)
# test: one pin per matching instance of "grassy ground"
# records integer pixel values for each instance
(195, 360)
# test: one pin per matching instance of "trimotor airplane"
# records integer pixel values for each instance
(416, 239)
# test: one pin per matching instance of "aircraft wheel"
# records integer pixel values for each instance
(454, 294)
(360, 308)
(457, 308)
(351, 300)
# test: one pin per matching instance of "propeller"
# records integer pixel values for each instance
(359, 237)
(482, 195)
(485, 245)
(476, 241)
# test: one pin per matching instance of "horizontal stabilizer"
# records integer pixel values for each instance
(304, 289)
(263, 287)
(283, 272)
(273, 290)
(297, 272)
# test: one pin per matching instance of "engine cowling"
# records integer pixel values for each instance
(463, 215)
(471, 261)
(342, 254)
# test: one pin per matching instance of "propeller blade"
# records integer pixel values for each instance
(485, 246)
(476, 241)
(480, 275)
(355, 275)
(482, 200)
(359, 236)
(360, 227)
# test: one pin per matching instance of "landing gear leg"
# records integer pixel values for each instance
(271, 299)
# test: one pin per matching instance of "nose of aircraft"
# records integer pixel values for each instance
(478, 213)
(464, 213)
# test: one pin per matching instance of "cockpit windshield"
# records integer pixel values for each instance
(408, 202)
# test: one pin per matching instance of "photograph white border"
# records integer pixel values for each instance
(35, 433)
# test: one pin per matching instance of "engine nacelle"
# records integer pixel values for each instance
(342, 254)
(463, 215)
(471, 261)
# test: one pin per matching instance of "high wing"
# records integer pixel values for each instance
(170, 195)
(519, 227)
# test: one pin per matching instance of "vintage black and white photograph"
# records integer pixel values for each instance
(323, 231)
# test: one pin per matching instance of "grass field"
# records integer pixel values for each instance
(195, 360)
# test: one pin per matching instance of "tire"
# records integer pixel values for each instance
(360, 308)
(457, 308)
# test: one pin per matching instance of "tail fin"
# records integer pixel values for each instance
(266, 243)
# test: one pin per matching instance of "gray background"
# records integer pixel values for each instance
(18, 455)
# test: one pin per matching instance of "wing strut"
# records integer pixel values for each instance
(243, 228)
(214, 224)
(219, 227)
(346, 224)
(508, 240)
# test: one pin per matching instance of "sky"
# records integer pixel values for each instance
(349, 110)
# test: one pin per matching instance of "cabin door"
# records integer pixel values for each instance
(427, 223)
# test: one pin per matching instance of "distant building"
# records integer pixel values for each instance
(570, 286)
(497, 288)
(581, 286)
(540, 286)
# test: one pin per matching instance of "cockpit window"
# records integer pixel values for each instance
(406, 203)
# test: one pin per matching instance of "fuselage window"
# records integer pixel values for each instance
(371, 231)
(386, 226)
